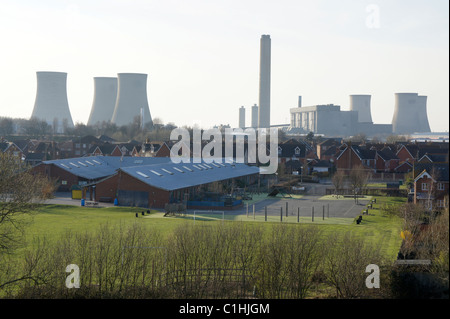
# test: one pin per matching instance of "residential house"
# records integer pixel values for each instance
(431, 185)
(82, 145)
(34, 159)
(292, 150)
(386, 160)
(11, 148)
(105, 150)
(355, 156)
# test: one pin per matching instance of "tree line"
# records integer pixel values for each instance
(216, 260)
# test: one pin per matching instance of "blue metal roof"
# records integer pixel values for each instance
(172, 176)
(95, 167)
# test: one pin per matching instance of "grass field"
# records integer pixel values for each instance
(54, 220)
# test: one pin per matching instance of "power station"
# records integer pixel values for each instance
(255, 117)
(410, 114)
(330, 120)
(410, 111)
(361, 104)
(105, 94)
(51, 102)
(264, 82)
(123, 100)
(242, 117)
(131, 99)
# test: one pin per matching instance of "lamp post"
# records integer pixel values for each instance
(301, 174)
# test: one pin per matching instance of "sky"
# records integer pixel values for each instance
(202, 56)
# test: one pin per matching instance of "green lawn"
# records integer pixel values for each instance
(55, 220)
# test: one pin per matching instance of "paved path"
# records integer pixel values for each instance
(336, 208)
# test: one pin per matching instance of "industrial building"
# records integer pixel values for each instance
(330, 120)
(51, 103)
(105, 94)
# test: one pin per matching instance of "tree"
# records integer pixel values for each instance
(358, 179)
(310, 137)
(20, 193)
(6, 126)
(338, 180)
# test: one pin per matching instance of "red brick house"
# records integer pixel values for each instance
(431, 185)
(106, 150)
(386, 160)
(354, 156)
(11, 148)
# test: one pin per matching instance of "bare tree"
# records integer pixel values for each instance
(345, 261)
(358, 179)
(20, 192)
(338, 181)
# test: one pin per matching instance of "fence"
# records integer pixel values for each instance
(369, 192)
(209, 283)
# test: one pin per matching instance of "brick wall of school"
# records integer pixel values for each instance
(64, 178)
(157, 198)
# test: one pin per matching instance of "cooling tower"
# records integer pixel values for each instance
(410, 114)
(264, 82)
(361, 104)
(424, 126)
(51, 102)
(242, 117)
(255, 116)
(105, 94)
(131, 97)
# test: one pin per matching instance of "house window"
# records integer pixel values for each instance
(279, 150)
(441, 186)
(424, 186)
(63, 182)
(440, 203)
(77, 145)
(297, 151)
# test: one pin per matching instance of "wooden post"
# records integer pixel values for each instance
(281, 214)
(312, 213)
(298, 215)
(286, 209)
(265, 213)
(253, 211)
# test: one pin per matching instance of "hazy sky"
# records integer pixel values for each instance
(202, 56)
